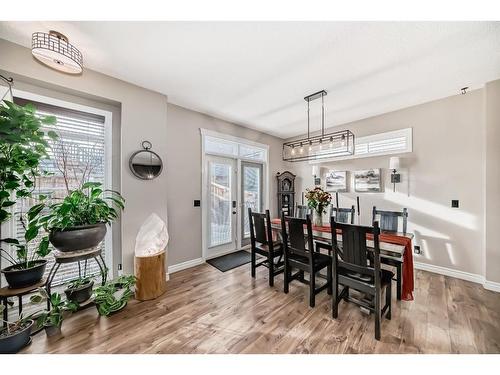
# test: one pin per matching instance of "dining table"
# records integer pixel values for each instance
(391, 253)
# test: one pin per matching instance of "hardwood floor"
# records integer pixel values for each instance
(207, 311)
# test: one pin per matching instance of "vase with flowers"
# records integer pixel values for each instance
(318, 200)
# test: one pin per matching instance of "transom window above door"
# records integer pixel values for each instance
(224, 147)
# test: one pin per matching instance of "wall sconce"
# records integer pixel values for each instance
(316, 172)
(394, 164)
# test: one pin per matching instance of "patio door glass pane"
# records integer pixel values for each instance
(251, 191)
(220, 204)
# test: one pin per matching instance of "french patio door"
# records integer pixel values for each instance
(251, 195)
(222, 205)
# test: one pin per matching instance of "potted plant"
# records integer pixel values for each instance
(52, 320)
(79, 290)
(23, 146)
(114, 295)
(15, 335)
(79, 221)
(318, 200)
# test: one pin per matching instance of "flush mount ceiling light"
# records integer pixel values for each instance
(54, 50)
(321, 146)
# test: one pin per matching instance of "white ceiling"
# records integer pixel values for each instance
(256, 74)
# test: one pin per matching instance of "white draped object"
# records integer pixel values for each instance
(152, 237)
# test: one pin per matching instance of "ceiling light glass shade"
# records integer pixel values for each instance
(319, 147)
(54, 50)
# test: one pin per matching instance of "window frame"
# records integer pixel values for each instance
(8, 229)
(406, 132)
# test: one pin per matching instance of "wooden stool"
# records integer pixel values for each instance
(151, 276)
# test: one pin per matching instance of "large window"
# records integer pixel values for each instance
(387, 143)
(77, 156)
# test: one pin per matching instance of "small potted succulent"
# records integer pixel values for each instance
(79, 221)
(114, 295)
(15, 335)
(79, 290)
(24, 145)
(318, 200)
(59, 309)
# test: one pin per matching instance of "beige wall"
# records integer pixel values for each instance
(143, 116)
(493, 181)
(183, 170)
(447, 163)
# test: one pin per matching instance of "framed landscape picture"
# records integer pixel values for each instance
(367, 181)
(336, 181)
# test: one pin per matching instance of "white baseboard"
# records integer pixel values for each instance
(475, 278)
(188, 264)
(491, 285)
(449, 272)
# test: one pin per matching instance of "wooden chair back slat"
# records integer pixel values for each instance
(260, 227)
(354, 254)
(343, 215)
(389, 220)
(302, 211)
(294, 239)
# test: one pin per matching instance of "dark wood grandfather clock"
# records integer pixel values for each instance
(286, 193)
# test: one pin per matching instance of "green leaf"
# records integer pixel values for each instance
(11, 185)
(31, 233)
(8, 203)
(4, 215)
(52, 135)
(35, 210)
(43, 247)
(36, 298)
(90, 185)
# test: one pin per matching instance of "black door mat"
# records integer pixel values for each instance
(229, 261)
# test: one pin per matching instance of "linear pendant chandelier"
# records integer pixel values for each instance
(322, 146)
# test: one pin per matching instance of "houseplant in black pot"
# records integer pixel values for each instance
(59, 309)
(79, 221)
(15, 335)
(23, 145)
(79, 290)
(114, 295)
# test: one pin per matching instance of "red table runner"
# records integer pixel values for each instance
(407, 282)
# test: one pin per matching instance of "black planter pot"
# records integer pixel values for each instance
(14, 343)
(19, 278)
(80, 294)
(78, 238)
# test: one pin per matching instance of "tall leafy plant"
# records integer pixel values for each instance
(23, 145)
(85, 206)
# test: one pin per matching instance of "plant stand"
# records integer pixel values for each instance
(76, 257)
(6, 293)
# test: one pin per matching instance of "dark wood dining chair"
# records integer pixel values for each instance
(389, 221)
(262, 243)
(300, 254)
(357, 267)
(301, 211)
(343, 215)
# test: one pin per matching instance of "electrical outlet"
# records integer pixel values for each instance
(196, 203)
(416, 250)
(454, 203)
